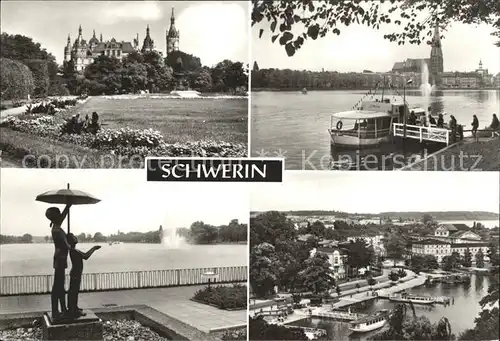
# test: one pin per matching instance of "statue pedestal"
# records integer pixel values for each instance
(88, 327)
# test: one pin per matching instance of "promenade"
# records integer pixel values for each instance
(174, 302)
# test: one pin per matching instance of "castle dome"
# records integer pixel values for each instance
(94, 40)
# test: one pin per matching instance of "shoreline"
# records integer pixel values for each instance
(361, 89)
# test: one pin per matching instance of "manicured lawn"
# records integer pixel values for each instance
(179, 120)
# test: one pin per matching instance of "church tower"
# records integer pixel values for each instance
(67, 50)
(148, 44)
(172, 36)
(436, 66)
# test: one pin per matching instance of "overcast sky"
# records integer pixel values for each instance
(129, 203)
(375, 192)
(211, 30)
(359, 47)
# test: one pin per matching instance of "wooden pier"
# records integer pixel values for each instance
(422, 133)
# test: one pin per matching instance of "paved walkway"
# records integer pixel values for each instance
(171, 301)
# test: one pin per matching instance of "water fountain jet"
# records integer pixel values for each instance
(170, 239)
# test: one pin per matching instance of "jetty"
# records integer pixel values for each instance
(422, 133)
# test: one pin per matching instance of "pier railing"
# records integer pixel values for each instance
(41, 284)
(422, 133)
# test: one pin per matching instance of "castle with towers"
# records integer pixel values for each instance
(82, 52)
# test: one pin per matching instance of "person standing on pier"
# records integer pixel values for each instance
(475, 125)
(495, 125)
(60, 262)
(440, 122)
(432, 121)
(453, 127)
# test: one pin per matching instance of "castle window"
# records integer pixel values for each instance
(107, 53)
(118, 53)
(114, 53)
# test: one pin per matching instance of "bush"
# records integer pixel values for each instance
(16, 80)
(371, 281)
(393, 276)
(40, 72)
(235, 335)
(401, 273)
(223, 297)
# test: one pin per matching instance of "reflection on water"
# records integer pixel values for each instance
(295, 126)
(461, 313)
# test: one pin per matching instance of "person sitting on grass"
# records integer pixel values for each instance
(75, 274)
(60, 262)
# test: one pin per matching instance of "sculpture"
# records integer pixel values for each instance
(77, 258)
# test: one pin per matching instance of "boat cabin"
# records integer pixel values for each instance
(362, 123)
(368, 321)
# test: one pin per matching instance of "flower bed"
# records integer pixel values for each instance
(223, 297)
(124, 141)
(121, 330)
(233, 335)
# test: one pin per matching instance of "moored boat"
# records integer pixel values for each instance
(406, 298)
(369, 125)
(369, 323)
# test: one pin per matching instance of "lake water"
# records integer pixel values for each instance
(487, 223)
(36, 259)
(294, 126)
(461, 313)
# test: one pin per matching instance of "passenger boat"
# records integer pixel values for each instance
(369, 323)
(406, 298)
(369, 125)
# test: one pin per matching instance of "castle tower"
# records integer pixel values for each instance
(436, 66)
(67, 50)
(172, 36)
(148, 44)
(100, 38)
(93, 42)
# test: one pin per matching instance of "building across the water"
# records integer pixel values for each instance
(83, 52)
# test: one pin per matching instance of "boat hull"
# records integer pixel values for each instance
(368, 328)
(355, 142)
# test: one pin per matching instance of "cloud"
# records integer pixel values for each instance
(115, 12)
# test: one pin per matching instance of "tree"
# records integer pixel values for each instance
(203, 233)
(182, 62)
(427, 219)
(449, 263)
(317, 275)
(415, 18)
(134, 77)
(99, 237)
(479, 258)
(467, 261)
(103, 76)
(259, 329)
(395, 247)
(41, 81)
(359, 254)
(16, 80)
(393, 276)
(228, 76)
(263, 269)
(27, 238)
(270, 227)
(493, 255)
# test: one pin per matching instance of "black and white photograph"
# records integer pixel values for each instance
(339, 256)
(100, 84)
(376, 85)
(105, 255)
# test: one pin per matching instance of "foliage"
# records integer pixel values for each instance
(451, 262)
(493, 254)
(24, 49)
(182, 62)
(269, 227)
(16, 80)
(371, 281)
(393, 276)
(401, 273)
(263, 269)
(479, 256)
(317, 275)
(395, 246)
(259, 329)
(359, 254)
(227, 76)
(24, 239)
(202, 233)
(416, 19)
(41, 81)
(224, 297)
(420, 263)
(427, 218)
(235, 335)
(467, 260)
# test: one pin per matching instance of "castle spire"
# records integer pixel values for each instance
(147, 31)
(101, 38)
(172, 17)
(94, 35)
(69, 39)
(80, 30)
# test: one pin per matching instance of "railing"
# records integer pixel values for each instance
(422, 133)
(41, 284)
